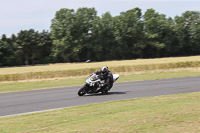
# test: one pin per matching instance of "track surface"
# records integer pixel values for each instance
(37, 100)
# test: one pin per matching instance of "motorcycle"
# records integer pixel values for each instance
(93, 84)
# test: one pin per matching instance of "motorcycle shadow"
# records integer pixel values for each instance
(109, 93)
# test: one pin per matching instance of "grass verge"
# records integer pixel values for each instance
(31, 85)
(164, 114)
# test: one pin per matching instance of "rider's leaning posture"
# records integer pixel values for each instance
(107, 76)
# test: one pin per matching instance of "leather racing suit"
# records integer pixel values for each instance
(108, 77)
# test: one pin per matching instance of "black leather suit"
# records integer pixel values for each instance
(108, 77)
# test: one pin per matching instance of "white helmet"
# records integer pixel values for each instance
(104, 69)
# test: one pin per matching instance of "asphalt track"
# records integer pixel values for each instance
(15, 103)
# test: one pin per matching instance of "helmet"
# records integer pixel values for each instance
(104, 69)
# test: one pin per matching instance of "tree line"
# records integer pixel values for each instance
(76, 36)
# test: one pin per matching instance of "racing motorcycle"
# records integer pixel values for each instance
(93, 84)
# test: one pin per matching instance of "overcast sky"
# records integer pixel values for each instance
(16, 15)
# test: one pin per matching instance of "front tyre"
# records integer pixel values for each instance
(82, 92)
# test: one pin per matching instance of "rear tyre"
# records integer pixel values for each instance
(82, 92)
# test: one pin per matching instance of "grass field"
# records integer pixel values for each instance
(164, 114)
(76, 69)
(75, 81)
(111, 64)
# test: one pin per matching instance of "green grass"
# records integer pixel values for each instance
(30, 85)
(165, 114)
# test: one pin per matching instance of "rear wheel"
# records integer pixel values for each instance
(82, 92)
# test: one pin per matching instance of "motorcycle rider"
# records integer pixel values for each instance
(106, 74)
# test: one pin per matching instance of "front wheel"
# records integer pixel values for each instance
(82, 92)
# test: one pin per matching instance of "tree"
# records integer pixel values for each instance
(154, 28)
(27, 42)
(7, 54)
(83, 46)
(103, 39)
(188, 29)
(170, 38)
(4, 52)
(70, 32)
(61, 28)
(129, 33)
(77, 36)
(44, 47)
